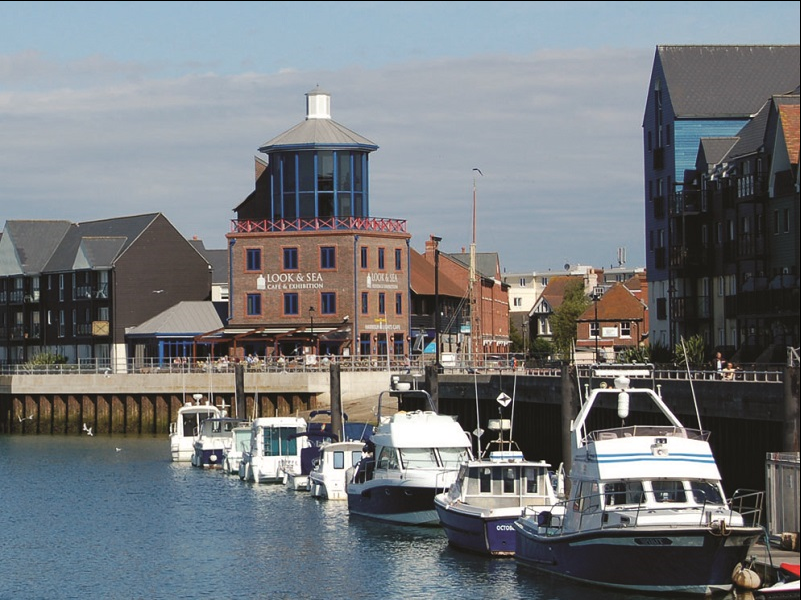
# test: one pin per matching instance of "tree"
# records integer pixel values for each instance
(564, 319)
(516, 339)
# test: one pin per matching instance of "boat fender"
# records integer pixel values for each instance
(745, 578)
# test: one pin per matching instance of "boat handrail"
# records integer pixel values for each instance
(647, 430)
(745, 504)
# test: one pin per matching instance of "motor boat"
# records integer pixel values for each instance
(186, 427)
(274, 445)
(240, 443)
(215, 438)
(411, 457)
(490, 493)
(328, 476)
(646, 511)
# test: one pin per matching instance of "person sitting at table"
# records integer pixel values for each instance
(728, 372)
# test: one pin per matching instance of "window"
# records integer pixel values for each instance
(625, 329)
(363, 257)
(380, 259)
(253, 259)
(328, 303)
(398, 259)
(594, 328)
(786, 220)
(399, 303)
(364, 344)
(253, 305)
(669, 491)
(290, 259)
(517, 301)
(775, 222)
(291, 304)
(328, 257)
(365, 303)
(382, 305)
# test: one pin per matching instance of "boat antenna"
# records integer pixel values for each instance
(690, 377)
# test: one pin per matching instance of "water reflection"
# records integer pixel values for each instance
(114, 518)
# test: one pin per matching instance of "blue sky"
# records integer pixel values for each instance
(117, 108)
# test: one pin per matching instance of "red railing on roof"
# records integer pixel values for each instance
(319, 224)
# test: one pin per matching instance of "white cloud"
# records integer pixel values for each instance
(556, 134)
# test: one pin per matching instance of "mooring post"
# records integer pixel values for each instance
(337, 425)
(569, 412)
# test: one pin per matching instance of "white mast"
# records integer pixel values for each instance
(475, 333)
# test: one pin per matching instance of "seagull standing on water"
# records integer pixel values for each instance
(88, 430)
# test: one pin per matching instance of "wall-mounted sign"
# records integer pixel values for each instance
(290, 281)
(382, 281)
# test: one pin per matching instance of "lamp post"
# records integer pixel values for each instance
(311, 328)
(436, 240)
(597, 292)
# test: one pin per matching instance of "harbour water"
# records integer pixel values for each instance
(113, 518)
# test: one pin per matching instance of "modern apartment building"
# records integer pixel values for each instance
(695, 93)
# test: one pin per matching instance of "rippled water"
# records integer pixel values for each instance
(82, 519)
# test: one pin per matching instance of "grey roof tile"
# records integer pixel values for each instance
(727, 81)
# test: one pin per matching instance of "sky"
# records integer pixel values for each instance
(110, 109)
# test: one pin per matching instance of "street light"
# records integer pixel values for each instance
(597, 292)
(311, 328)
(436, 240)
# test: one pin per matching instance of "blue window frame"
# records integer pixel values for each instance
(382, 304)
(398, 303)
(365, 303)
(364, 257)
(253, 259)
(328, 303)
(290, 259)
(398, 259)
(291, 303)
(328, 257)
(253, 305)
(380, 259)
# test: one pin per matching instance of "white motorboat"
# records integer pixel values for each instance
(240, 443)
(274, 447)
(490, 493)
(415, 455)
(186, 428)
(646, 510)
(328, 476)
(215, 438)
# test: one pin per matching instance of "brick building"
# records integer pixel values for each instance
(312, 272)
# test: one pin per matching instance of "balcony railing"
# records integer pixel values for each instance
(319, 224)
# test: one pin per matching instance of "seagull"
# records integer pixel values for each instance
(28, 418)
(479, 172)
(88, 430)
(118, 449)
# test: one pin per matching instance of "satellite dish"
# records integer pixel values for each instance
(567, 266)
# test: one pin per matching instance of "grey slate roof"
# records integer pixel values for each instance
(752, 136)
(218, 259)
(27, 245)
(317, 133)
(712, 150)
(486, 262)
(726, 81)
(106, 240)
(184, 319)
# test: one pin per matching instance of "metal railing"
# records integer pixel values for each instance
(487, 364)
